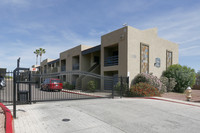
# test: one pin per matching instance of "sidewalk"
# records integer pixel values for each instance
(108, 116)
(181, 96)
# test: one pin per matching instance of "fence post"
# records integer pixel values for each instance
(113, 87)
(14, 95)
(127, 82)
(29, 87)
(121, 86)
(14, 87)
(17, 77)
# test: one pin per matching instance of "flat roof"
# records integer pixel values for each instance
(91, 50)
(54, 61)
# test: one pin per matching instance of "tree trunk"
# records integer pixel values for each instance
(40, 59)
(36, 60)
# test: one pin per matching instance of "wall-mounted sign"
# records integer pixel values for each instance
(157, 62)
(34, 69)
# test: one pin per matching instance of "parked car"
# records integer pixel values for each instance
(2, 82)
(52, 84)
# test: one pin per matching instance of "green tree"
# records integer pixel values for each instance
(41, 52)
(198, 78)
(184, 76)
(37, 52)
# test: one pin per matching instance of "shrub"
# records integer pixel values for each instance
(69, 86)
(117, 88)
(150, 79)
(170, 83)
(183, 75)
(144, 89)
(91, 86)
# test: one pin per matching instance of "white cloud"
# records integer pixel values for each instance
(53, 45)
(75, 39)
(190, 51)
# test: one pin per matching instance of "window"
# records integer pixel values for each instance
(169, 58)
(144, 58)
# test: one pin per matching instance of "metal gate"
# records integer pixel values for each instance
(24, 87)
(6, 88)
(33, 87)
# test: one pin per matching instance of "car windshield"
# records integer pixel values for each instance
(55, 81)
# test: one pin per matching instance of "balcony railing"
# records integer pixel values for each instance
(75, 67)
(63, 68)
(55, 70)
(45, 71)
(111, 61)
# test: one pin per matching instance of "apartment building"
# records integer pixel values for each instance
(123, 52)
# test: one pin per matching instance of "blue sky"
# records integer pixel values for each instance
(57, 25)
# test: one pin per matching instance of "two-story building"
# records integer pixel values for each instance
(123, 52)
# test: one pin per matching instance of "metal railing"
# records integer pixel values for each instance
(75, 67)
(53, 70)
(111, 60)
(63, 68)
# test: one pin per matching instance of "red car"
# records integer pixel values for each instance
(52, 84)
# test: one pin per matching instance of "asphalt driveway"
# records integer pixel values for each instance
(108, 116)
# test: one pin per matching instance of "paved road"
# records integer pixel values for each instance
(108, 116)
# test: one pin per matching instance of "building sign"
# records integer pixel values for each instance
(157, 62)
(34, 69)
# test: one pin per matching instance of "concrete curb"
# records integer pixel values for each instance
(81, 93)
(169, 100)
(9, 119)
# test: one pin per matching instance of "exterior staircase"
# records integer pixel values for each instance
(79, 80)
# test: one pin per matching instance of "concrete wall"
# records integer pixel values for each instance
(157, 49)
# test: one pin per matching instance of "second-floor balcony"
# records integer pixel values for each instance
(53, 70)
(111, 60)
(75, 67)
(63, 68)
(45, 71)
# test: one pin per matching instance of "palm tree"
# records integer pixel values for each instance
(41, 51)
(37, 52)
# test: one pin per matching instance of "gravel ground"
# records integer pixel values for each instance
(2, 121)
(180, 96)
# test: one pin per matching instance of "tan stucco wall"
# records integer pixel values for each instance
(44, 63)
(116, 37)
(157, 49)
(128, 40)
(68, 55)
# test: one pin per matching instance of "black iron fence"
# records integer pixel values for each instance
(6, 88)
(76, 85)
(24, 87)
